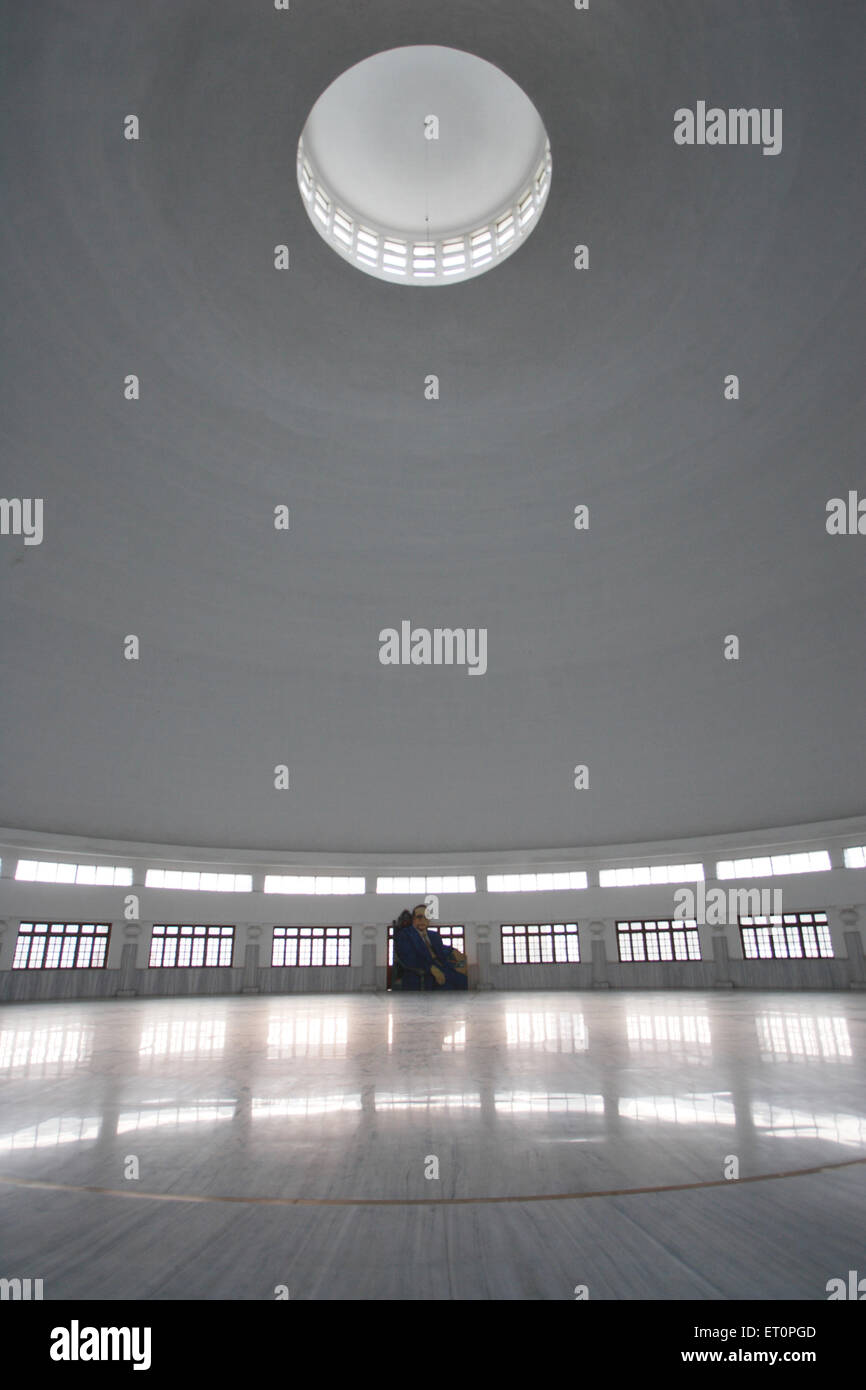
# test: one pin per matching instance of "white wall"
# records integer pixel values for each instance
(841, 893)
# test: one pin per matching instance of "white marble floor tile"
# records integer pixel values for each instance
(232, 1103)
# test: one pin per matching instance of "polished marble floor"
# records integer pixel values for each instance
(504, 1146)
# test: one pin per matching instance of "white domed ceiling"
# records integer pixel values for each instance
(310, 388)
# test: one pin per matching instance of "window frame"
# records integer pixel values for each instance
(300, 934)
(190, 931)
(542, 932)
(459, 928)
(780, 929)
(62, 932)
(681, 935)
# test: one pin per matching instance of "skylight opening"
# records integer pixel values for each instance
(525, 209)
(388, 181)
(342, 235)
(322, 207)
(305, 179)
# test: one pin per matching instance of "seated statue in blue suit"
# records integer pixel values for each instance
(421, 958)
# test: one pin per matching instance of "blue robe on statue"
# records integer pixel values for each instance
(414, 961)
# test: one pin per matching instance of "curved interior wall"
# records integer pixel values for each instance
(840, 892)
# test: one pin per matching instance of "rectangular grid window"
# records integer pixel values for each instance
(312, 946)
(767, 866)
(191, 880)
(61, 946)
(791, 936)
(530, 943)
(91, 875)
(641, 942)
(313, 884)
(177, 947)
(450, 936)
(535, 883)
(632, 877)
(435, 883)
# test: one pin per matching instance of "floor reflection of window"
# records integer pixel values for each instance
(316, 1035)
(44, 1051)
(686, 1034)
(390, 1100)
(303, 1107)
(182, 1036)
(780, 1122)
(547, 1103)
(62, 1129)
(173, 1116)
(696, 1109)
(546, 1030)
(796, 1035)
